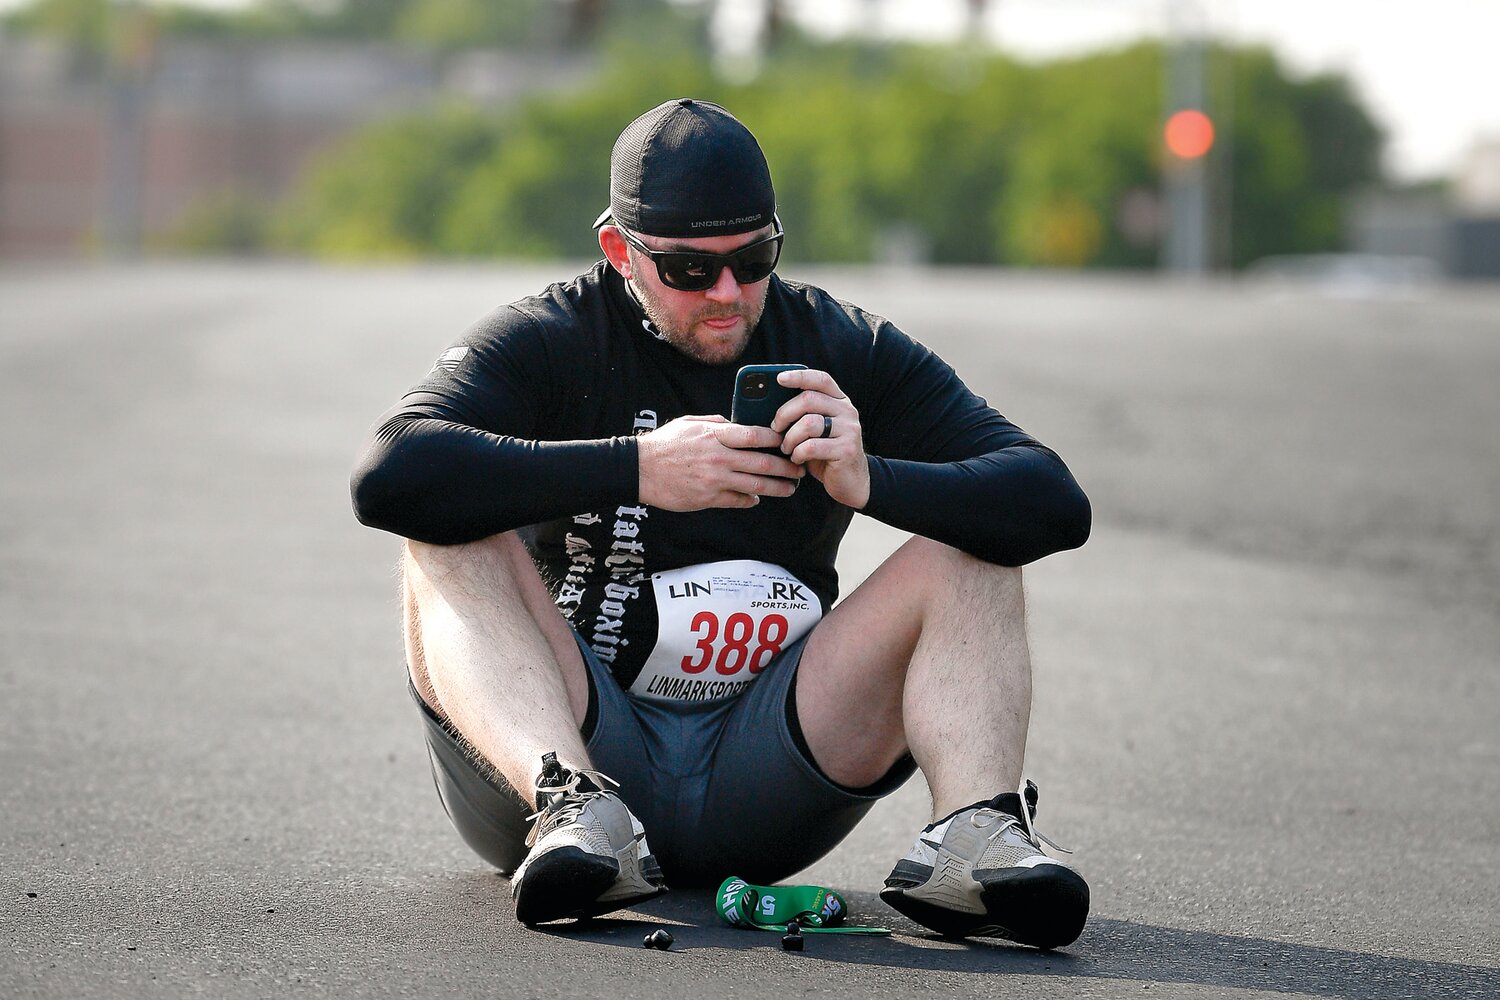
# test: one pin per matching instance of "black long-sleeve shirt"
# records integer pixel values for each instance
(529, 420)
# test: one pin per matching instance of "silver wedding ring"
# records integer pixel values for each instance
(827, 426)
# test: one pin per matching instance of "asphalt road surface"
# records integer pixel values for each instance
(1267, 708)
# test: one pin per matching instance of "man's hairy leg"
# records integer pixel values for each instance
(928, 655)
(489, 652)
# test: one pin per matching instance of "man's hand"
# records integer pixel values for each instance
(695, 462)
(837, 459)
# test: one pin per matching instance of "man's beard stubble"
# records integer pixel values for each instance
(681, 336)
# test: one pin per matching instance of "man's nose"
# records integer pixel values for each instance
(725, 289)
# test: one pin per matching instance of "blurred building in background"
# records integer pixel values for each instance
(97, 158)
(1457, 229)
(1476, 228)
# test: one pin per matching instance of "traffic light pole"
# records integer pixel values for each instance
(1187, 249)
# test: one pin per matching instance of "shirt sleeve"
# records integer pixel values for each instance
(459, 459)
(947, 466)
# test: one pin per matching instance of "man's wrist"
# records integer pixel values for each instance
(863, 494)
(645, 455)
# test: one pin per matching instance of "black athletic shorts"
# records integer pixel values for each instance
(722, 787)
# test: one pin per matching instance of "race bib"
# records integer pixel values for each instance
(719, 625)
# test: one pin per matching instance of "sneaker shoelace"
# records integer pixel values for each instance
(1024, 825)
(1037, 837)
(566, 801)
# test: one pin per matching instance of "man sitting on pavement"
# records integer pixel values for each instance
(619, 605)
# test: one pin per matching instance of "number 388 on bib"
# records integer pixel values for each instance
(740, 643)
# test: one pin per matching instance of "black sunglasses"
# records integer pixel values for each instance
(692, 271)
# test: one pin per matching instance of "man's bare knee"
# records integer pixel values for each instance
(1004, 581)
(953, 576)
(486, 565)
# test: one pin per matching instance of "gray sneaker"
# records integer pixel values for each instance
(588, 852)
(981, 871)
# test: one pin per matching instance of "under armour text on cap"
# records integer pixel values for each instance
(688, 168)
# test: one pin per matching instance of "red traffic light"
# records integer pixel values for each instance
(1189, 134)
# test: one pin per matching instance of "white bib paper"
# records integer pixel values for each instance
(719, 625)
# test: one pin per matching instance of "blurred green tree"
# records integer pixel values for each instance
(1087, 137)
(81, 24)
(953, 152)
(982, 159)
(538, 189)
(385, 192)
(456, 24)
(1297, 149)
(442, 24)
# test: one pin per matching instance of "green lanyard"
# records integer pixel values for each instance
(770, 907)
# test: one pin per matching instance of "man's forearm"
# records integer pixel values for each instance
(444, 483)
(1009, 507)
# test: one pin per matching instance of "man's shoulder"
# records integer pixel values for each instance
(578, 305)
(844, 329)
(817, 303)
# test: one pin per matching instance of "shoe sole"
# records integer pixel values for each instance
(565, 883)
(1044, 907)
(570, 883)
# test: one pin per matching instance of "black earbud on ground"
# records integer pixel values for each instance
(792, 939)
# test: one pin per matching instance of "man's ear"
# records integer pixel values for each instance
(615, 250)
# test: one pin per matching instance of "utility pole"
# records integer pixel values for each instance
(773, 25)
(1189, 136)
(976, 12)
(584, 20)
(132, 54)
